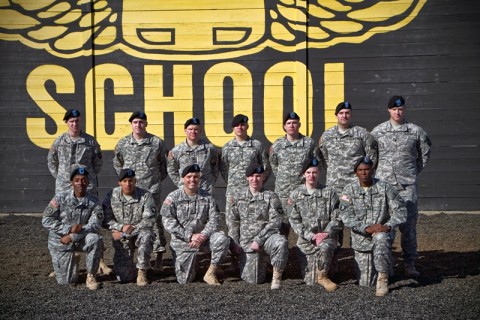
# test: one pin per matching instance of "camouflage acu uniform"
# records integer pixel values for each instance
(235, 159)
(257, 218)
(341, 151)
(140, 212)
(204, 154)
(185, 215)
(66, 153)
(310, 214)
(403, 154)
(359, 209)
(287, 159)
(147, 158)
(61, 214)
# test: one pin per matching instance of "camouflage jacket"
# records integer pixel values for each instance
(237, 157)
(184, 215)
(341, 151)
(313, 213)
(403, 152)
(205, 155)
(381, 203)
(148, 158)
(287, 159)
(138, 211)
(253, 218)
(65, 210)
(65, 154)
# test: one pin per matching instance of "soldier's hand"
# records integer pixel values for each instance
(319, 237)
(375, 228)
(66, 239)
(128, 228)
(255, 246)
(76, 228)
(199, 237)
(117, 235)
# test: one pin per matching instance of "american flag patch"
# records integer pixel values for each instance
(167, 201)
(344, 198)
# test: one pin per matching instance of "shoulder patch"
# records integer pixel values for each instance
(344, 197)
(170, 155)
(54, 203)
(290, 202)
(167, 201)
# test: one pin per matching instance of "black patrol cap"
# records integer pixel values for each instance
(366, 160)
(312, 163)
(72, 113)
(291, 115)
(137, 115)
(191, 168)
(78, 171)
(191, 121)
(239, 118)
(343, 105)
(126, 173)
(254, 168)
(396, 101)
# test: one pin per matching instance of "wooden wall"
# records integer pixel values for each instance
(427, 51)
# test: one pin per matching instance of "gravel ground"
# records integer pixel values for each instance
(449, 288)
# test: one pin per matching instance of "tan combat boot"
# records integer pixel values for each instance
(276, 279)
(211, 277)
(142, 278)
(382, 284)
(103, 268)
(159, 262)
(324, 281)
(410, 270)
(92, 283)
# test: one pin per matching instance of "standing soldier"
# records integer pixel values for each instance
(72, 149)
(146, 154)
(314, 216)
(343, 145)
(194, 150)
(288, 154)
(404, 151)
(73, 219)
(130, 214)
(191, 216)
(253, 225)
(372, 209)
(238, 154)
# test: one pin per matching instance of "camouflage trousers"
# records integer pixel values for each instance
(253, 265)
(160, 242)
(65, 261)
(184, 258)
(409, 228)
(123, 264)
(285, 227)
(369, 263)
(321, 259)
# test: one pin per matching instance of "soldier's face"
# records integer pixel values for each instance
(193, 132)
(139, 126)
(255, 181)
(344, 116)
(292, 126)
(128, 185)
(364, 174)
(396, 114)
(191, 181)
(73, 125)
(240, 130)
(80, 184)
(312, 175)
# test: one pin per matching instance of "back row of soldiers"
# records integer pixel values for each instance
(398, 149)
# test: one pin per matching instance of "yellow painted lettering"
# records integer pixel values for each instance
(334, 91)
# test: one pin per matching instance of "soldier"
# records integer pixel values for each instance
(343, 145)
(314, 216)
(191, 216)
(253, 225)
(74, 148)
(194, 150)
(288, 154)
(146, 154)
(130, 213)
(404, 151)
(73, 219)
(372, 209)
(238, 154)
